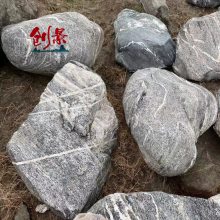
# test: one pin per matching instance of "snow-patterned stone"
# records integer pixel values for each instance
(142, 41)
(62, 151)
(166, 115)
(205, 3)
(83, 42)
(155, 205)
(198, 49)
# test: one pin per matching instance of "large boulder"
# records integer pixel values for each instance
(155, 205)
(198, 46)
(166, 115)
(14, 11)
(205, 3)
(62, 151)
(46, 44)
(157, 8)
(142, 41)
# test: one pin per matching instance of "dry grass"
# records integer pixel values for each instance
(19, 93)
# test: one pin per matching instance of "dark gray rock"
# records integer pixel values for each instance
(89, 216)
(205, 3)
(155, 205)
(83, 43)
(142, 41)
(62, 151)
(157, 8)
(22, 213)
(166, 115)
(198, 46)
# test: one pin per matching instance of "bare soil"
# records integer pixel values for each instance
(20, 92)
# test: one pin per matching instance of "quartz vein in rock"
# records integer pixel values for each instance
(142, 41)
(166, 115)
(198, 49)
(83, 43)
(62, 151)
(155, 205)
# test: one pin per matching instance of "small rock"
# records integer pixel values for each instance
(62, 151)
(89, 216)
(22, 213)
(198, 45)
(155, 205)
(205, 3)
(166, 115)
(70, 36)
(157, 8)
(42, 208)
(142, 41)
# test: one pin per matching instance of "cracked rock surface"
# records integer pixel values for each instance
(166, 115)
(155, 205)
(142, 41)
(205, 3)
(198, 49)
(83, 38)
(217, 124)
(62, 151)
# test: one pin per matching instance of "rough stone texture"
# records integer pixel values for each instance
(198, 49)
(157, 8)
(142, 41)
(22, 213)
(166, 115)
(217, 124)
(215, 199)
(155, 205)
(62, 151)
(203, 179)
(84, 40)
(205, 3)
(89, 216)
(14, 11)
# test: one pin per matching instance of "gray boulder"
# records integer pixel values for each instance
(205, 3)
(166, 115)
(198, 46)
(142, 41)
(157, 8)
(14, 11)
(62, 151)
(69, 36)
(155, 205)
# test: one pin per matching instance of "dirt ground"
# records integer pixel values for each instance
(20, 92)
